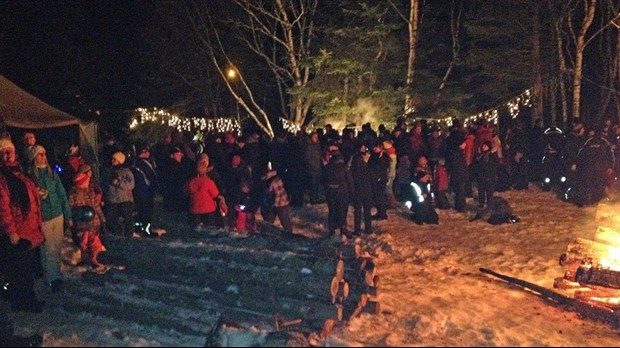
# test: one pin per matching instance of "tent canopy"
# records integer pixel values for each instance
(20, 109)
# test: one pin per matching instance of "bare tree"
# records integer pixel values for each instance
(280, 33)
(413, 23)
(581, 40)
(455, 26)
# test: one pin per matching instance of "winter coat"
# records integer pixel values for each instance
(486, 166)
(146, 180)
(12, 219)
(56, 202)
(442, 179)
(119, 185)
(379, 164)
(594, 158)
(361, 176)
(202, 193)
(87, 196)
(403, 171)
(313, 158)
(336, 177)
(456, 163)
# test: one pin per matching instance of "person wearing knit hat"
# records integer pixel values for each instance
(119, 157)
(34, 151)
(55, 213)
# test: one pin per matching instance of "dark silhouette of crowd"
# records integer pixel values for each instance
(225, 180)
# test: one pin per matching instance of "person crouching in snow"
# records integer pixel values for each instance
(246, 220)
(421, 203)
(204, 197)
(86, 237)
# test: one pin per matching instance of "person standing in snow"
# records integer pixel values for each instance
(204, 197)
(21, 235)
(55, 212)
(118, 184)
(362, 190)
(276, 201)
(338, 184)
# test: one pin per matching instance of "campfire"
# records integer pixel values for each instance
(592, 272)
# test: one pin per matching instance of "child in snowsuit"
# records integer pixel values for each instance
(87, 238)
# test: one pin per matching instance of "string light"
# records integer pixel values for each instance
(514, 107)
(289, 126)
(218, 125)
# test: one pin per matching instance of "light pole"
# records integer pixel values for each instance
(232, 76)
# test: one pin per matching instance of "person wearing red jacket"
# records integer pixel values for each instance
(21, 235)
(204, 197)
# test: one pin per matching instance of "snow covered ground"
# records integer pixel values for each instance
(431, 292)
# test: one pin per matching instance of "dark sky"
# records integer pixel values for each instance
(59, 50)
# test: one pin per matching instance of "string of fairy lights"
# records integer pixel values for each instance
(223, 125)
(492, 115)
(232, 125)
(181, 123)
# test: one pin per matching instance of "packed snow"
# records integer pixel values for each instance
(176, 290)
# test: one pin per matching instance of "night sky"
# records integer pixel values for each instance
(68, 51)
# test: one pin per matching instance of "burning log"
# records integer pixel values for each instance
(598, 276)
(586, 251)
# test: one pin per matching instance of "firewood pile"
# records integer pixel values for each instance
(354, 287)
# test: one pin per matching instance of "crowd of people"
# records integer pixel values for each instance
(423, 167)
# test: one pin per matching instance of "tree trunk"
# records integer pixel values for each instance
(413, 38)
(538, 84)
(562, 67)
(580, 46)
(455, 25)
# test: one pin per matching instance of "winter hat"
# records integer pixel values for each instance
(80, 179)
(119, 157)
(34, 151)
(6, 143)
(84, 168)
(174, 150)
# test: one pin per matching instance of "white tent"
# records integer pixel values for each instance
(20, 109)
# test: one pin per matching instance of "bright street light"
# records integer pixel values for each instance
(232, 73)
